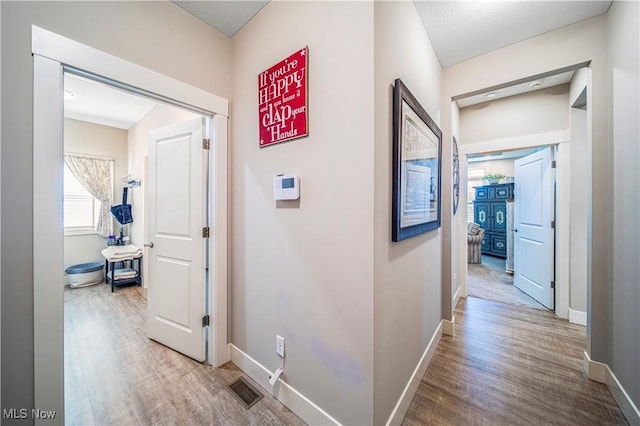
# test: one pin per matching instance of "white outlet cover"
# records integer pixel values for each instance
(280, 345)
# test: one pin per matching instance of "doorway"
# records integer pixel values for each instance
(106, 144)
(493, 195)
(52, 54)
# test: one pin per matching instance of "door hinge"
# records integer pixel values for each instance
(553, 284)
(553, 224)
(206, 143)
(205, 320)
(205, 232)
(553, 164)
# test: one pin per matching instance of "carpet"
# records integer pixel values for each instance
(489, 280)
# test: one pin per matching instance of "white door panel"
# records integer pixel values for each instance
(533, 233)
(177, 263)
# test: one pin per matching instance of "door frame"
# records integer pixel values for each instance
(51, 52)
(559, 139)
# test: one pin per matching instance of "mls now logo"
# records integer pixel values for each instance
(15, 413)
(23, 413)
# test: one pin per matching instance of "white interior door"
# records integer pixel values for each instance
(177, 257)
(533, 233)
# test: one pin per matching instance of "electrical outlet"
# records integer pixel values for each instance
(280, 345)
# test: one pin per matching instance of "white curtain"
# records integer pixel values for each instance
(96, 175)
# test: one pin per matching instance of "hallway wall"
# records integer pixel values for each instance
(304, 269)
(579, 173)
(158, 35)
(530, 113)
(624, 131)
(408, 274)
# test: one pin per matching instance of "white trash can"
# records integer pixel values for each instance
(85, 274)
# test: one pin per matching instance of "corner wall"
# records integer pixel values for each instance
(408, 274)
(579, 173)
(304, 269)
(624, 131)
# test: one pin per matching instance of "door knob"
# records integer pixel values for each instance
(515, 230)
(150, 244)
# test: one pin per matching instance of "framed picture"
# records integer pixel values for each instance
(456, 176)
(417, 174)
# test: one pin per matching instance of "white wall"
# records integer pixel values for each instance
(530, 113)
(568, 46)
(158, 35)
(624, 101)
(81, 137)
(304, 269)
(578, 199)
(495, 166)
(408, 274)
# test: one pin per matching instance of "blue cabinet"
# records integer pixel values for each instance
(490, 212)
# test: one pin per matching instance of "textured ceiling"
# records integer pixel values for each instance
(460, 30)
(225, 16)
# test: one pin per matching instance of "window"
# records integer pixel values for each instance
(81, 209)
(475, 179)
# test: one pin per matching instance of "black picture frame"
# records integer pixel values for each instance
(417, 151)
(456, 176)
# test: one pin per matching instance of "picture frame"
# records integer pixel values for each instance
(417, 167)
(456, 176)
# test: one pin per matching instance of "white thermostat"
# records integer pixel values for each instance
(286, 187)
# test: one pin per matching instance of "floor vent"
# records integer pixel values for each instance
(245, 393)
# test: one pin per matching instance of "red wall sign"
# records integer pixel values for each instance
(282, 100)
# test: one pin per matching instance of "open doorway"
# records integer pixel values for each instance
(106, 149)
(493, 122)
(492, 196)
(54, 55)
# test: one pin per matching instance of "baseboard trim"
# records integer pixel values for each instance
(577, 317)
(602, 371)
(399, 411)
(595, 370)
(456, 297)
(449, 327)
(302, 406)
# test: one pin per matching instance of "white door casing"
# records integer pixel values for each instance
(177, 182)
(533, 231)
(51, 48)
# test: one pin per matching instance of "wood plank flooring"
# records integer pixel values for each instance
(488, 280)
(510, 365)
(115, 375)
(506, 365)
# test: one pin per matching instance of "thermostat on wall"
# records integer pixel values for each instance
(286, 187)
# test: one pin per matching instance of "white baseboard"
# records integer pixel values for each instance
(577, 317)
(595, 370)
(302, 406)
(449, 327)
(456, 297)
(602, 373)
(399, 411)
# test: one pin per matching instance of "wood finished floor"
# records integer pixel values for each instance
(115, 375)
(507, 365)
(510, 365)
